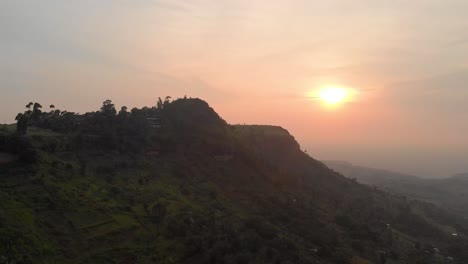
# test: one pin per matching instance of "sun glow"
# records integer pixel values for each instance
(333, 95)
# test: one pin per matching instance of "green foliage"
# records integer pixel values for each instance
(20, 146)
(148, 186)
(22, 123)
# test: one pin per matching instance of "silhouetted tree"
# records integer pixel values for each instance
(36, 113)
(37, 106)
(167, 101)
(108, 108)
(159, 104)
(21, 123)
(123, 111)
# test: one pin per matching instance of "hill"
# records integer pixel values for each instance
(175, 183)
(449, 192)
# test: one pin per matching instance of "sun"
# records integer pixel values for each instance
(333, 95)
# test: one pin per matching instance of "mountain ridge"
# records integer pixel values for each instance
(175, 183)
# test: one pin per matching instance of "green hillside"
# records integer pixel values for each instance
(175, 183)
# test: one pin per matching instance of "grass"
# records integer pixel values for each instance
(9, 128)
(88, 219)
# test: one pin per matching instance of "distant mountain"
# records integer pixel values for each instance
(176, 184)
(449, 192)
(461, 176)
(368, 175)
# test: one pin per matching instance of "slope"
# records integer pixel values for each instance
(177, 184)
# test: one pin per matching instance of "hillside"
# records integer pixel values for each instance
(176, 184)
(449, 192)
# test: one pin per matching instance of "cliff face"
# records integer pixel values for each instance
(197, 190)
(279, 149)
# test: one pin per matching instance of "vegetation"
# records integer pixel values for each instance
(174, 183)
(449, 193)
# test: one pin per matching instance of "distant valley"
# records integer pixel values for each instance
(451, 192)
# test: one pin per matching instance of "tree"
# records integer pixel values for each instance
(37, 106)
(36, 113)
(108, 108)
(167, 101)
(123, 111)
(52, 106)
(28, 106)
(159, 104)
(21, 123)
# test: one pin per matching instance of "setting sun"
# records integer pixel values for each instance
(333, 95)
(178, 131)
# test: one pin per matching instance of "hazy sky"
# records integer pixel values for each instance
(255, 62)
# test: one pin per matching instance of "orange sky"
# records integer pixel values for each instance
(255, 62)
